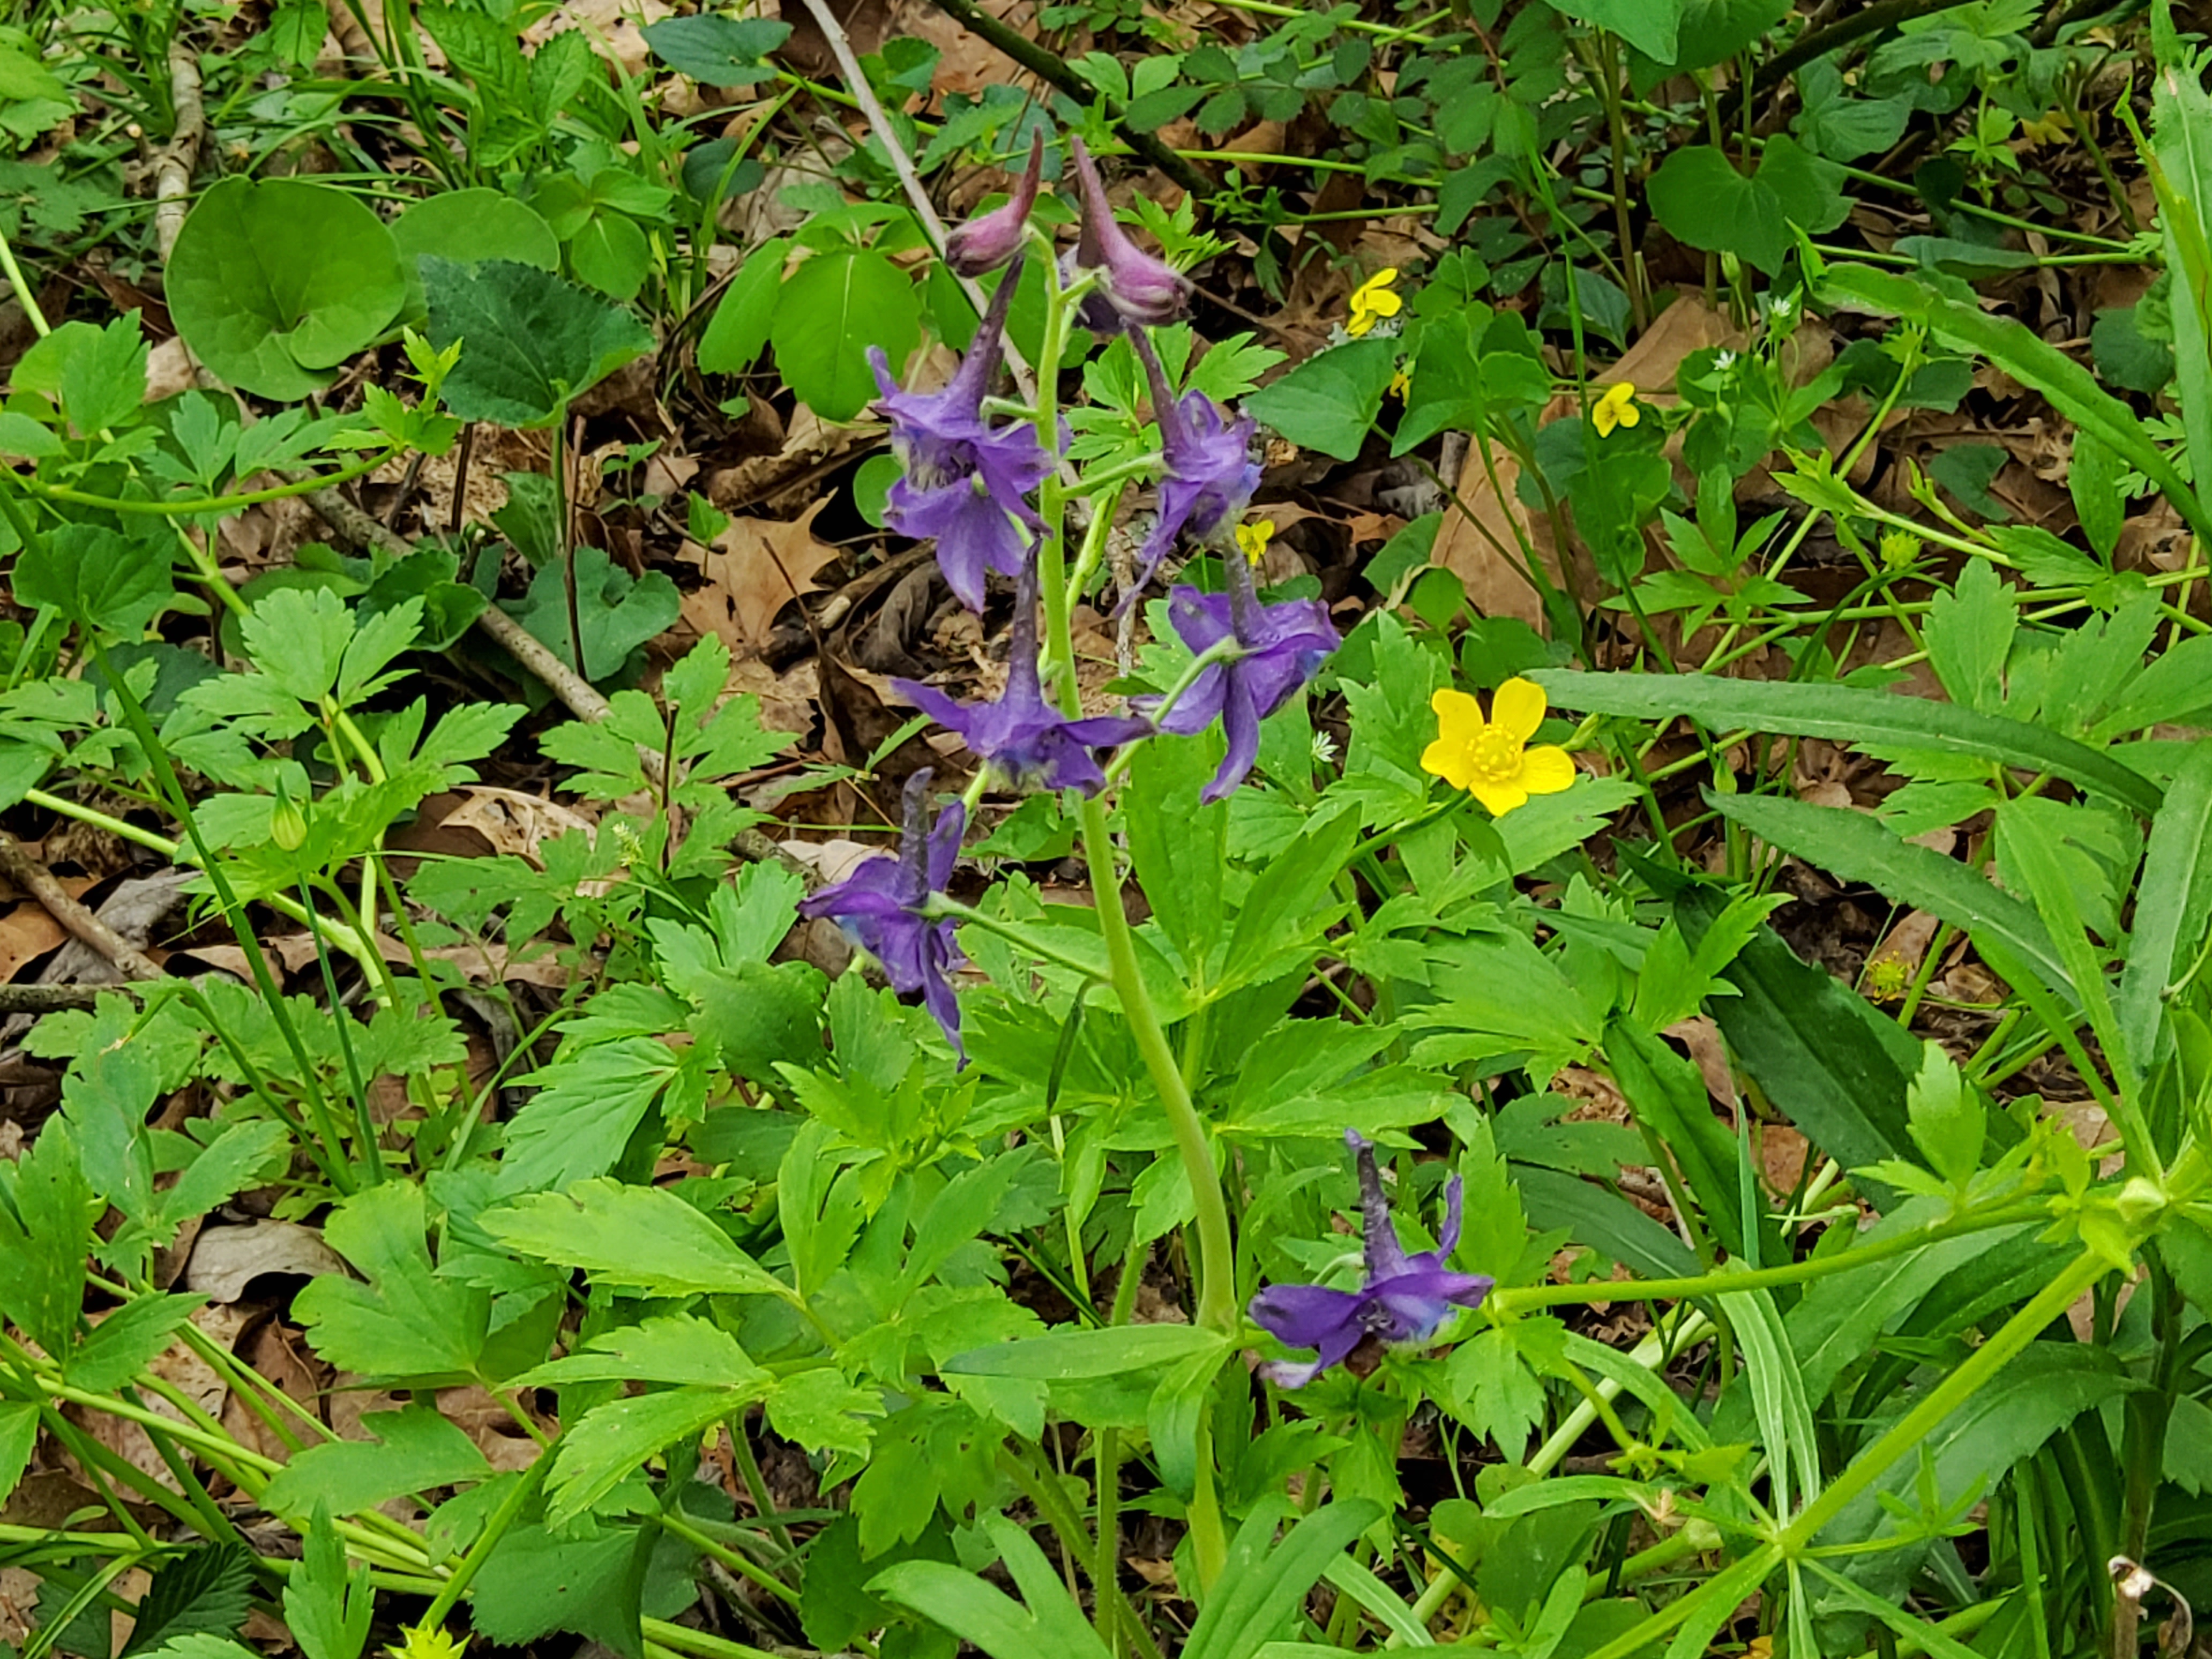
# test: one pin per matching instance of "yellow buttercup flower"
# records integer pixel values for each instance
(1400, 385)
(1618, 407)
(432, 1644)
(1373, 301)
(1491, 759)
(1254, 538)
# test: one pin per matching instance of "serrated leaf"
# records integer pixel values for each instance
(204, 1592)
(406, 1322)
(611, 1441)
(640, 1237)
(587, 1105)
(409, 1451)
(673, 1348)
(328, 1602)
(531, 342)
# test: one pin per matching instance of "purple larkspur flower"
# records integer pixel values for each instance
(1133, 286)
(1283, 645)
(880, 908)
(1209, 474)
(1029, 741)
(991, 240)
(1405, 1297)
(963, 480)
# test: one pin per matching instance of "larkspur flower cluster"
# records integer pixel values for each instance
(968, 477)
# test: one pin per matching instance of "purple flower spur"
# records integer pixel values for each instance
(1283, 647)
(991, 240)
(1027, 740)
(963, 480)
(880, 908)
(1405, 1299)
(1209, 475)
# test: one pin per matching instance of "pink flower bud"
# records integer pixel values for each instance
(990, 239)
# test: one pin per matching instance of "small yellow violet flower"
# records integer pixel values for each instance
(1254, 538)
(1618, 407)
(1491, 759)
(432, 1644)
(1373, 301)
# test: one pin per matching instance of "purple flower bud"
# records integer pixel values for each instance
(1405, 1297)
(1136, 287)
(880, 907)
(990, 239)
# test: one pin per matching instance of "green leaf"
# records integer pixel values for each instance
(596, 1584)
(610, 1440)
(618, 612)
(2029, 359)
(673, 1348)
(1071, 1356)
(822, 1412)
(273, 284)
(1699, 197)
(19, 1436)
(758, 1017)
(1603, 1220)
(1328, 401)
(1668, 1098)
(2173, 904)
(733, 339)
(101, 373)
(45, 1228)
(589, 1101)
(718, 51)
(1649, 25)
(1969, 637)
(406, 1322)
(328, 1603)
(641, 1237)
(122, 1344)
(1948, 1120)
(1854, 845)
(832, 309)
(986, 1617)
(96, 577)
(203, 1592)
(1173, 1418)
(409, 1451)
(1866, 718)
(531, 342)
(468, 226)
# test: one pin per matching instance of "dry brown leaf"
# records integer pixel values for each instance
(515, 823)
(755, 567)
(226, 1259)
(613, 26)
(27, 933)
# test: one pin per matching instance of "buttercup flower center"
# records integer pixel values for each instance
(1495, 755)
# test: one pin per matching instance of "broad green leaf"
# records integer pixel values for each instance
(531, 342)
(596, 1583)
(19, 1434)
(1649, 25)
(96, 374)
(468, 226)
(589, 1101)
(1603, 1220)
(819, 1410)
(758, 1017)
(2029, 359)
(122, 1344)
(1328, 401)
(204, 1593)
(96, 577)
(328, 1603)
(409, 1451)
(406, 1322)
(733, 339)
(641, 1237)
(1069, 1355)
(1868, 718)
(610, 1440)
(1852, 845)
(673, 1348)
(618, 612)
(1172, 1420)
(2174, 904)
(716, 51)
(1699, 195)
(273, 284)
(46, 1213)
(832, 309)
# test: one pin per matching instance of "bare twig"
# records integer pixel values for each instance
(173, 173)
(576, 693)
(34, 878)
(54, 1000)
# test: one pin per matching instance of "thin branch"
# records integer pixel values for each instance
(172, 172)
(34, 878)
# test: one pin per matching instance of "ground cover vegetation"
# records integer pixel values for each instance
(1105, 827)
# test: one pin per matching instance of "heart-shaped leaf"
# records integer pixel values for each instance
(274, 284)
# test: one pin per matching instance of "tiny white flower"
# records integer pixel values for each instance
(1324, 749)
(1724, 361)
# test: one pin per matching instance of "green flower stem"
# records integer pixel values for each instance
(1527, 1298)
(741, 1452)
(465, 1572)
(734, 1560)
(940, 905)
(680, 1638)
